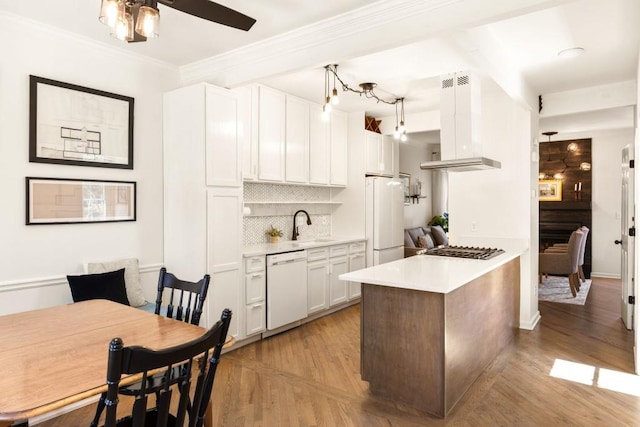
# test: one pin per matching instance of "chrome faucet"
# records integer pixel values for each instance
(295, 229)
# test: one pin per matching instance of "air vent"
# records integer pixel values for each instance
(463, 80)
(447, 83)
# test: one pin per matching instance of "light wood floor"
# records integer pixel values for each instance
(309, 376)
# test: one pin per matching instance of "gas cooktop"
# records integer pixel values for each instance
(465, 252)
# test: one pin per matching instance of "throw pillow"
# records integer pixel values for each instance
(425, 242)
(99, 286)
(131, 277)
(439, 235)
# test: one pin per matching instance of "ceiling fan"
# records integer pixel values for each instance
(137, 20)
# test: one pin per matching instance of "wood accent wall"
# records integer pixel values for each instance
(560, 218)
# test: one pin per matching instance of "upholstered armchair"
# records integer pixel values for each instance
(563, 262)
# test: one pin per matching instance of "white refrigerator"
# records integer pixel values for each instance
(384, 220)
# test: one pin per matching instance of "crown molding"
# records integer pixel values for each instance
(229, 69)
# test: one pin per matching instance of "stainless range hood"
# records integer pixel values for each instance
(460, 126)
(462, 165)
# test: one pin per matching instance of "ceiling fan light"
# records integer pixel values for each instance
(110, 11)
(148, 22)
(124, 28)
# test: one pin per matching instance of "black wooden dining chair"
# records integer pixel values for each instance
(185, 302)
(139, 360)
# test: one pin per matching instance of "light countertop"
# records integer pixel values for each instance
(294, 245)
(436, 273)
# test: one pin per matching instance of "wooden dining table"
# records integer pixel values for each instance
(53, 357)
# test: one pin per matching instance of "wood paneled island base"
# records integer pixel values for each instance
(425, 349)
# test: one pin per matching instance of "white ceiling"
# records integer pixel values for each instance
(525, 43)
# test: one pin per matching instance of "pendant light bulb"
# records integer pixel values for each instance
(402, 129)
(325, 114)
(334, 97)
(327, 105)
(124, 28)
(396, 133)
(403, 137)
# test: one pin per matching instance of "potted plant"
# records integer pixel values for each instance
(274, 234)
(441, 220)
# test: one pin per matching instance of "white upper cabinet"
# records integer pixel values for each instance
(247, 139)
(319, 146)
(297, 140)
(271, 134)
(379, 154)
(339, 128)
(223, 153)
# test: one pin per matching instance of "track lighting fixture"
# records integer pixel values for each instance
(366, 89)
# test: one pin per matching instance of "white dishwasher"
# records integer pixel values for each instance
(286, 288)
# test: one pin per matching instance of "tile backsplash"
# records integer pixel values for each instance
(276, 205)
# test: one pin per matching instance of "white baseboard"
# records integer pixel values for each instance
(530, 324)
(605, 275)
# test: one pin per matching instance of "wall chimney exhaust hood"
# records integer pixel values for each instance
(460, 126)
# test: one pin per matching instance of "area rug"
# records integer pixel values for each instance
(556, 289)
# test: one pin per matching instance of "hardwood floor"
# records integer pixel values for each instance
(310, 376)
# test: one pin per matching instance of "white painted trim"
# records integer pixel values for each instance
(16, 285)
(594, 98)
(606, 275)
(530, 324)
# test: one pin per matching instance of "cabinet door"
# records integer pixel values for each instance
(255, 316)
(373, 152)
(317, 286)
(388, 158)
(319, 146)
(247, 140)
(339, 126)
(223, 153)
(271, 134)
(297, 140)
(356, 262)
(224, 255)
(337, 287)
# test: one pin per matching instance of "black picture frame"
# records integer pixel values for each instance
(79, 126)
(79, 201)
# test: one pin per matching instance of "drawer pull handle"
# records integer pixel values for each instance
(255, 276)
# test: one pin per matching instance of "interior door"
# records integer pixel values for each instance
(627, 241)
(636, 316)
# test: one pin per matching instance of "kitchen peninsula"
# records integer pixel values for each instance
(430, 325)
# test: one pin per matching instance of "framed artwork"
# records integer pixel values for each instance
(75, 125)
(550, 190)
(406, 184)
(74, 201)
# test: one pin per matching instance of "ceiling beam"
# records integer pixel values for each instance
(380, 26)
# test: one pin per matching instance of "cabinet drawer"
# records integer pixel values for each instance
(255, 285)
(316, 254)
(356, 247)
(254, 263)
(340, 250)
(255, 318)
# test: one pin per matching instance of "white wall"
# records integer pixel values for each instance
(497, 203)
(35, 259)
(411, 155)
(606, 202)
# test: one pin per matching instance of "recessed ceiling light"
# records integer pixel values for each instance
(571, 53)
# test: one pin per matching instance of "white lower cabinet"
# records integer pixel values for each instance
(317, 286)
(357, 261)
(337, 287)
(254, 291)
